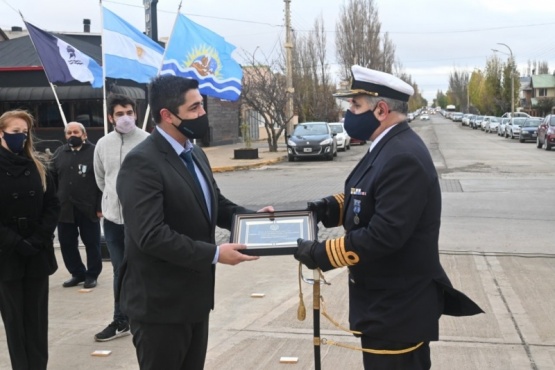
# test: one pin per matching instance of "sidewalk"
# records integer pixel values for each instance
(221, 157)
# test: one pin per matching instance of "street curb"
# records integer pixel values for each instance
(247, 166)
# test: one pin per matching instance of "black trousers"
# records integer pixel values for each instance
(418, 359)
(68, 235)
(24, 309)
(170, 346)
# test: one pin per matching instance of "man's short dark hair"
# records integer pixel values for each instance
(168, 92)
(119, 99)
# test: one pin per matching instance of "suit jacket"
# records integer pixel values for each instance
(167, 275)
(391, 214)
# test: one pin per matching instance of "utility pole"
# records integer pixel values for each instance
(289, 68)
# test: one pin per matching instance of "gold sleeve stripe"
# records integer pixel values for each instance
(334, 253)
(338, 256)
(340, 198)
(330, 255)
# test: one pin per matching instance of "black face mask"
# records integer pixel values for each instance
(193, 128)
(74, 141)
(361, 126)
(15, 141)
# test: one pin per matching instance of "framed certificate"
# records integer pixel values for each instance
(272, 234)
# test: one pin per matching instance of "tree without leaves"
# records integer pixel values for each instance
(264, 91)
(358, 38)
(314, 99)
(458, 83)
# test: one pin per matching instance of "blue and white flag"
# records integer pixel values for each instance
(128, 53)
(62, 62)
(198, 53)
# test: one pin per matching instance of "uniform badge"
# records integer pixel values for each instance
(356, 210)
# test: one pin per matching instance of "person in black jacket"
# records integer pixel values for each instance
(171, 206)
(391, 212)
(28, 218)
(80, 200)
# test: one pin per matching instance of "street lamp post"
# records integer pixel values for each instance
(512, 81)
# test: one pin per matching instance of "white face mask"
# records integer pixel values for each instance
(125, 124)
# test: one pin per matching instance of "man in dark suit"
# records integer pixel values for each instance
(171, 206)
(391, 210)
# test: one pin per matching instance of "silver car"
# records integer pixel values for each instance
(342, 138)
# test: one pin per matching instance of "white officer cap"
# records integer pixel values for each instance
(375, 83)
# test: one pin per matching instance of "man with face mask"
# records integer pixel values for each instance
(171, 205)
(109, 154)
(80, 200)
(390, 210)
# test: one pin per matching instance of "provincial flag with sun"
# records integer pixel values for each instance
(194, 51)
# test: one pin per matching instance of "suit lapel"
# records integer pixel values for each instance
(177, 164)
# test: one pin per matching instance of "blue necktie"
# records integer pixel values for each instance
(188, 158)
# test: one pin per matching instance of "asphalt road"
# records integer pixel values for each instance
(496, 245)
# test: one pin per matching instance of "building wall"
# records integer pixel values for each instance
(223, 117)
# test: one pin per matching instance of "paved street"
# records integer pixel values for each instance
(496, 245)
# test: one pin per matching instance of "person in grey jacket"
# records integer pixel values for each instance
(109, 153)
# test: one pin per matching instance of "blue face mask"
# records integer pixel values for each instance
(361, 126)
(15, 142)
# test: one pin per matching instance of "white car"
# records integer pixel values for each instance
(343, 139)
(424, 117)
(512, 129)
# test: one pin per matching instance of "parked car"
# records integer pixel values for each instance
(466, 119)
(357, 141)
(457, 116)
(491, 124)
(342, 138)
(502, 126)
(410, 117)
(477, 122)
(546, 133)
(424, 117)
(529, 129)
(312, 139)
(512, 129)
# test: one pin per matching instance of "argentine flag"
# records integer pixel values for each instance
(198, 53)
(128, 53)
(62, 62)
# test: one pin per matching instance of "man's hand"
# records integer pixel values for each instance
(230, 255)
(267, 209)
(320, 209)
(305, 253)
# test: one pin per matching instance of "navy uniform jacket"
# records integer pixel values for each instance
(167, 273)
(391, 214)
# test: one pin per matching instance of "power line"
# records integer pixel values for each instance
(198, 15)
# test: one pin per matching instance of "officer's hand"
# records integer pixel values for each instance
(320, 209)
(305, 253)
(26, 249)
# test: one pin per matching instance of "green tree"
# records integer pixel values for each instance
(441, 99)
(475, 86)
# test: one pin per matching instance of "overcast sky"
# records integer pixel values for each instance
(432, 37)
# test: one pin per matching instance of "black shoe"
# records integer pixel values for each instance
(74, 281)
(89, 283)
(114, 330)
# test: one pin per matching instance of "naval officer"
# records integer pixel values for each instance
(390, 210)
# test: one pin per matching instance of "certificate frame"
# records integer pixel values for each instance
(272, 233)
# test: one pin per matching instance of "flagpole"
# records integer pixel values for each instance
(58, 101)
(104, 108)
(47, 77)
(316, 317)
(163, 58)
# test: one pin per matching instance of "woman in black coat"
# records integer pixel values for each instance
(29, 212)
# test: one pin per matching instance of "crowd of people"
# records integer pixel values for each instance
(159, 205)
